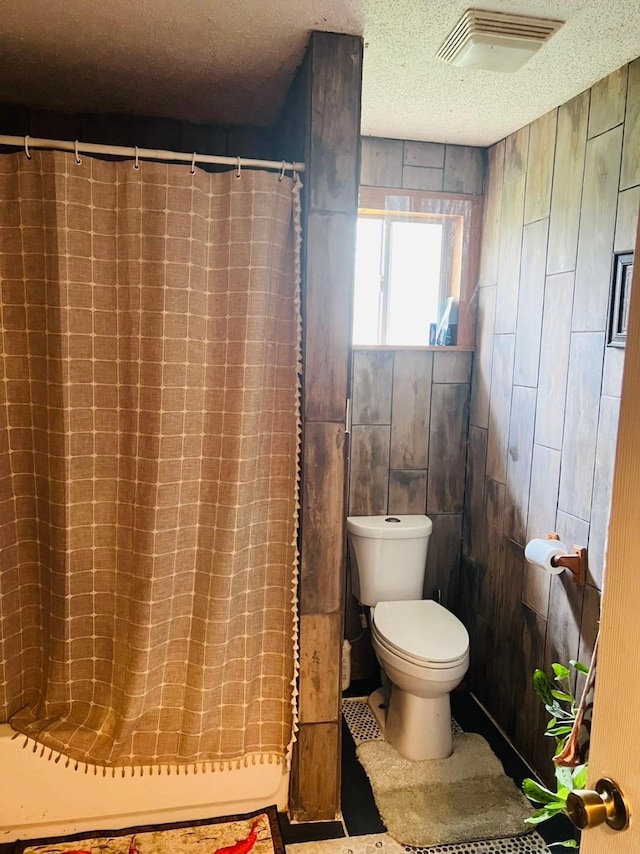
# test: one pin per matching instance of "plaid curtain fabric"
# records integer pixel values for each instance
(149, 438)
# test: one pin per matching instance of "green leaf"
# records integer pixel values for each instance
(579, 666)
(562, 695)
(542, 687)
(580, 773)
(565, 777)
(535, 792)
(568, 843)
(559, 730)
(560, 671)
(544, 814)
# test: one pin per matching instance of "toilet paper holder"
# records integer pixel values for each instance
(576, 562)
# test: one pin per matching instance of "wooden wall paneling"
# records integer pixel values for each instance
(336, 81)
(474, 521)
(510, 254)
(612, 373)
(109, 130)
(597, 226)
(407, 492)
(469, 273)
(554, 360)
(443, 557)
(566, 194)
(536, 587)
(483, 358)
(315, 772)
(371, 387)
(330, 103)
(452, 367)
(571, 529)
(369, 480)
(630, 174)
(516, 153)
(50, 124)
(447, 448)
(147, 131)
(581, 423)
(492, 215)
(382, 160)
(508, 617)
(523, 413)
(608, 100)
(14, 120)
(328, 309)
(320, 677)
(412, 372)
(429, 154)
(463, 169)
(602, 486)
(530, 720)
(530, 302)
(500, 406)
(322, 543)
(212, 140)
(542, 149)
(566, 598)
(563, 621)
(589, 624)
(422, 178)
(543, 491)
(627, 220)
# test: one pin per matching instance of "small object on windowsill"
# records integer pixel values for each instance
(447, 332)
(432, 334)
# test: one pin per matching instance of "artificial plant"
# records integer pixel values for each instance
(560, 703)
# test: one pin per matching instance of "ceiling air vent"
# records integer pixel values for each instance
(495, 41)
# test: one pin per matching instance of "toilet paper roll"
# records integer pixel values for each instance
(541, 553)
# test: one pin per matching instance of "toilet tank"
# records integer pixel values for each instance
(388, 557)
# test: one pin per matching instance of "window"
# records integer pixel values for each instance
(409, 261)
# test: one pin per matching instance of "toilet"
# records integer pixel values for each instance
(422, 648)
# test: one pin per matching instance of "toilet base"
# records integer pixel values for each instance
(418, 727)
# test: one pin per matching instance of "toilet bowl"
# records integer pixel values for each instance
(424, 651)
(422, 648)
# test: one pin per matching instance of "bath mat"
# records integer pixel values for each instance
(257, 832)
(460, 799)
(382, 843)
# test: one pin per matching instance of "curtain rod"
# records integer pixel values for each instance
(76, 148)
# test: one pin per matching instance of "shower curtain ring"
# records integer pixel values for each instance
(136, 163)
(193, 164)
(238, 168)
(281, 176)
(78, 159)
(26, 146)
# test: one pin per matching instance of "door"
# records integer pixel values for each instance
(615, 742)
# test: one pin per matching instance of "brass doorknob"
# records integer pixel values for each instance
(588, 808)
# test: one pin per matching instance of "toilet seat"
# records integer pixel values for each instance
(421, 632)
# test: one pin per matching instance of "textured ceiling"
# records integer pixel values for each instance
(231, 61)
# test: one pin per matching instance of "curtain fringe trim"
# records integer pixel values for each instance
(168, 768)
(297, 227)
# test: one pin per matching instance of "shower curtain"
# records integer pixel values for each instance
(149, 433)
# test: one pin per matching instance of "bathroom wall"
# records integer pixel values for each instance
(410, 406)
(562, 196)
(410, 412)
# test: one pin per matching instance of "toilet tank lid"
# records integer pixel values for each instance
(390, 527)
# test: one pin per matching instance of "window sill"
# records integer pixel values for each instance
(433, 348)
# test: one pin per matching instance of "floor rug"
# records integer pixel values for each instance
(256, 832)
(459, 799)
(382, 843)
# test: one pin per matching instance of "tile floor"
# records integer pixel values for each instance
(362, 831)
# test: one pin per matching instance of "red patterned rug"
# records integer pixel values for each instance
(257, 832)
